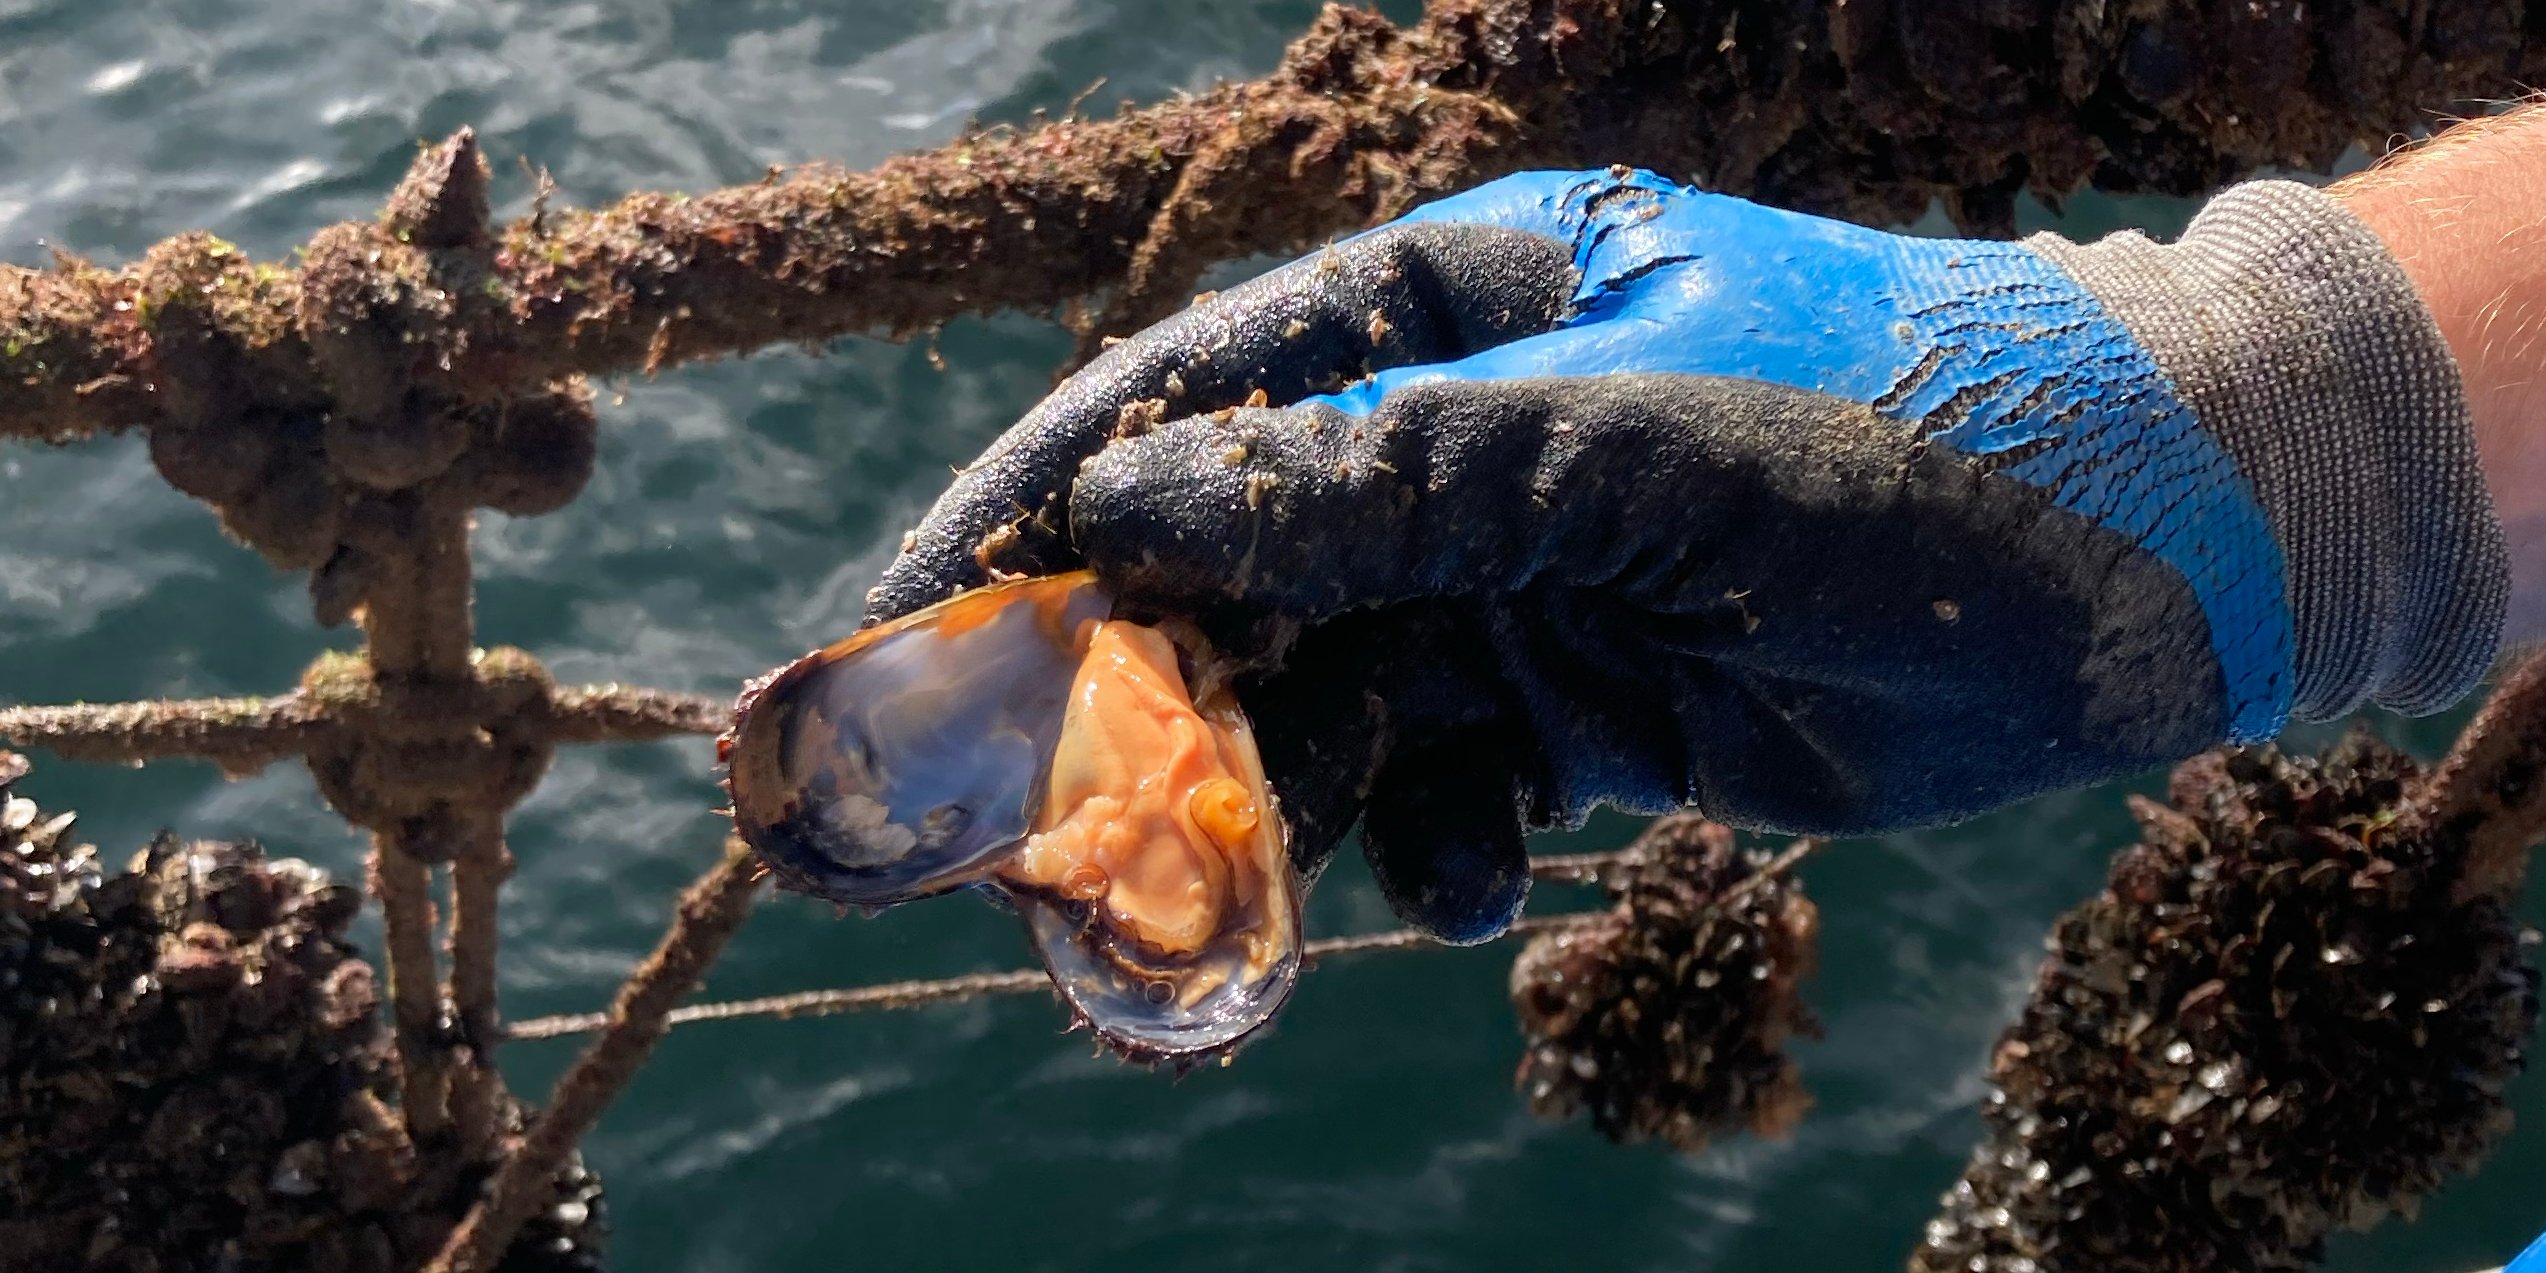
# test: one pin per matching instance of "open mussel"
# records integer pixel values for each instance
(1094, 771)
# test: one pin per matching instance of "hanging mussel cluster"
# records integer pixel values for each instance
(2280, 1018)
(194, 1072)
(1667, 1019)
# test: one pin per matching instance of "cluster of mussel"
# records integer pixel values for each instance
(1092, 772)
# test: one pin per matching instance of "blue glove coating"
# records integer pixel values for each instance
(1995, 351)
(2532, 1260)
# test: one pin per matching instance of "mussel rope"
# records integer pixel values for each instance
(1578, 868)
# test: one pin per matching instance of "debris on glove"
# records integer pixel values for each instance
(1668, 1018)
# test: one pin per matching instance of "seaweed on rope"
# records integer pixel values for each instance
(345, 416)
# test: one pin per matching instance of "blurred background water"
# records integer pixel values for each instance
(739, 512)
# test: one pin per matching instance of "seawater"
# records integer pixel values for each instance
(739, 511)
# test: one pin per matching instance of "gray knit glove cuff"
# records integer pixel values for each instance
(2287, 328)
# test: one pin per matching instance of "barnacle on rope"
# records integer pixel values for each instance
(194, 1072)
(346, 414)
(2278, 1019)
(1668, 1018)
(341, 372)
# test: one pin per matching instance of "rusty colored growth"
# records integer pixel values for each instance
(526, 1182)
(2489, 795)
(243, 735)
(347, 415)
(405, 889)
(478, 871)
(400, 345)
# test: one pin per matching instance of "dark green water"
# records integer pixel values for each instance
(739, 512)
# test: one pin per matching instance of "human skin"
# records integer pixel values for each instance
(2465, 214)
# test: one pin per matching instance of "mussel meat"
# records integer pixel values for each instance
(1093, 771)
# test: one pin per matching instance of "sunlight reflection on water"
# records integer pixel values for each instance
(739, 512)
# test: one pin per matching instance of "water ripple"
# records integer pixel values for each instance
(738, 514)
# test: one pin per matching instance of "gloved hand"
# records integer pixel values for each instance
(1649, 497)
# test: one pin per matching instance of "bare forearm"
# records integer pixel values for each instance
(2466, 216)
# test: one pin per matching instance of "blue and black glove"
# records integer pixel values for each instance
(1587, 488)
(2532, 1260)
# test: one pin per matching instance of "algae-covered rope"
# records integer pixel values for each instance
(708, 914)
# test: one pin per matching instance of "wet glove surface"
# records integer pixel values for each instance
(1659, 498)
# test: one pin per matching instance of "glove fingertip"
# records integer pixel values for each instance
(1204, 508)
(1133, 494)
(915, 579)
(1446, 849)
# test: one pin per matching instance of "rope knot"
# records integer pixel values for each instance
(432, 761)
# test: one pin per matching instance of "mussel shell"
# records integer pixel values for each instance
(914, 758)
(1147, 1010)
(905, 760)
